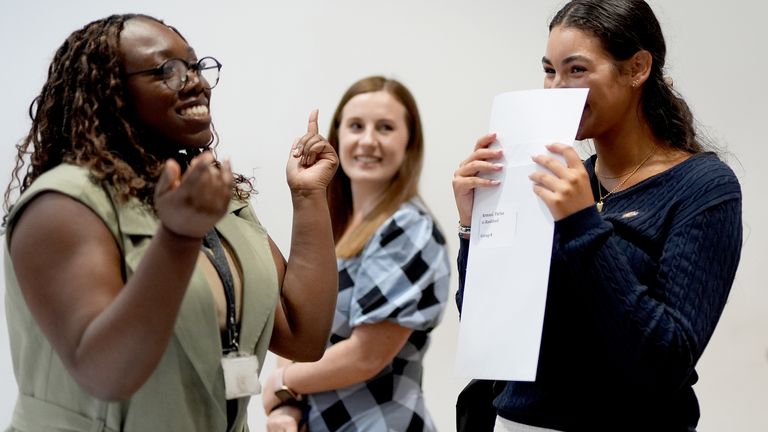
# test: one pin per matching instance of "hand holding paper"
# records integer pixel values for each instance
(466, 178)
(564, 188)
(511, 241)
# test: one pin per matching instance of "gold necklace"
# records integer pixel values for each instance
(600, 204)
(610, 177)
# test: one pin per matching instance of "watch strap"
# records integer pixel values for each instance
(283, 392)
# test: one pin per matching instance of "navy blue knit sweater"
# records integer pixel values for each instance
(634, 295)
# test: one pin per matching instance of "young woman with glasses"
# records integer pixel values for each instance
(142, 291)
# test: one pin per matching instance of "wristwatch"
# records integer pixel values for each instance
(283, 392)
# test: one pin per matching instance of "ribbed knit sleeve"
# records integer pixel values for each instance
(654, 288)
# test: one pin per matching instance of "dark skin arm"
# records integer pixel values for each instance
(75, 292)
(309, 279)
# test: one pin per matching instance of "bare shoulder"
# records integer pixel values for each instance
(53, 220)
(67, 265)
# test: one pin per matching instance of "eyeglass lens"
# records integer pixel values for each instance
(176, 73)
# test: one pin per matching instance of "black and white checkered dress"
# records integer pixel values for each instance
(402, 275)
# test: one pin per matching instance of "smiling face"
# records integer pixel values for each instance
(174, 120)
(373, 136)
(577, 59)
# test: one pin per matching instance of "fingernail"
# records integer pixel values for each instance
(498, 166)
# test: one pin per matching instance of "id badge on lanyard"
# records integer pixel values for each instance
(241, 375)
(241, 370)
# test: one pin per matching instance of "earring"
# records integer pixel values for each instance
(634, 83)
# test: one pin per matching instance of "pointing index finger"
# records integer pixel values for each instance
(312, 127)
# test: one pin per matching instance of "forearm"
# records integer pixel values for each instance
(659, 326)
(142, 315)
(645, 334)
(342, 365)
(612, 296)
(368, 350)
(310, 285)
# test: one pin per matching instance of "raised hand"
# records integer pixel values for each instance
(192, 203)
(565, 189)
(467, 177)
(313, 161)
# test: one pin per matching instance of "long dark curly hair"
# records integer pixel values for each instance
(81, 117)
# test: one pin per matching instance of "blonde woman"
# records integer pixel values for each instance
(393, 277)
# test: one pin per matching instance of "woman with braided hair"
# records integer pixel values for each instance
(142, 291)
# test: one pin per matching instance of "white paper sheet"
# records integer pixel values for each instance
(510, 247)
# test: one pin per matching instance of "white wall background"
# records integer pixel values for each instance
(283, 59)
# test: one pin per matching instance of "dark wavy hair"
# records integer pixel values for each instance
(625, 27)
(82, 117)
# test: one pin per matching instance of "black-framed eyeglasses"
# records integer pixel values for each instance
(175, 72)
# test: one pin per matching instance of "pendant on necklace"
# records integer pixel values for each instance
(599, 206)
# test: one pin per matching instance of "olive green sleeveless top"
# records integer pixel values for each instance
(186, 390)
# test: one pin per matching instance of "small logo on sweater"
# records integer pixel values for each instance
(630, 214)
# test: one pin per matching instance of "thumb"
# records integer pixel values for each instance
(170, 177)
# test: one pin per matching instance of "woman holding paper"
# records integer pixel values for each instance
(647, 235)
(393, 277)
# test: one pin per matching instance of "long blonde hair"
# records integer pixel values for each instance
(405, 182)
